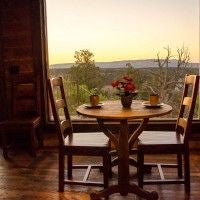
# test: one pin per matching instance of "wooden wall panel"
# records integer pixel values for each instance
(17, 35)
(20, 46)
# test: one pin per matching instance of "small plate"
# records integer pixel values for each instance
(88, 105)
(148, 105)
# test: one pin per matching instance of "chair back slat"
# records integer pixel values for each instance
(59, 108)
(188, 102)
(25, 97)
(65, 124)
(56, 82)
(182, 122)
(60, 103)
(190, 79)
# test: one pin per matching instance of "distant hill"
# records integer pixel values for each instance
(120, 64)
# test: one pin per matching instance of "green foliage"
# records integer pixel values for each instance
(82, 79)
(84, 72)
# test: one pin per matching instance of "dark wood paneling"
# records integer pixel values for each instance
(3, 101)
(40, 52)
(21, 45)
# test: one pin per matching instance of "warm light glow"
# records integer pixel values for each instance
(121, 29)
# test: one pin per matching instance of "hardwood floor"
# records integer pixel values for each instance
(27, 178)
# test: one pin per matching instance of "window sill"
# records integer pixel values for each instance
(81, 124)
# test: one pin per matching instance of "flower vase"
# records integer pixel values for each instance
(126, 101)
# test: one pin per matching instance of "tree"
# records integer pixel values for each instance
(168, 81)
(84, 72)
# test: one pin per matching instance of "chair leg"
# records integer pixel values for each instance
(69, 166)
(40, 136)
(106, 169)
(179, 163)
(61, 172)
(140, 168)
(187, 171)
(4, 145)
(33, 142)
(110, 165)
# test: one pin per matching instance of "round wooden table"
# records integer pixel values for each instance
(113, 111)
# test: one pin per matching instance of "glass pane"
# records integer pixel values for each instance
(93, 42)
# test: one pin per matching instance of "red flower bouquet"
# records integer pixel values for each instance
(125, 86)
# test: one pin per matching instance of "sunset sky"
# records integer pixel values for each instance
(121, 29)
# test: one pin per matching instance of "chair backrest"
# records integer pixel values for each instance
(190, 91)
(59, 108)
(25, 96)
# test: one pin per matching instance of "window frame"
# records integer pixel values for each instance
(82, 125)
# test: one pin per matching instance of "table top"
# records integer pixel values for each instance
(114, 110)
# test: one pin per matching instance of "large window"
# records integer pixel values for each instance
(93, 42)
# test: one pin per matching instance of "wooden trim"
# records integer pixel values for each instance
(3, 85)
(40, 52)
(167, 125)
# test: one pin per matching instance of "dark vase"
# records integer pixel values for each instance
(127, 101)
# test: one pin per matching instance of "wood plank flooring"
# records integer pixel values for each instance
(27, 178)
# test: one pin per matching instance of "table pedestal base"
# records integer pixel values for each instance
(133, 188)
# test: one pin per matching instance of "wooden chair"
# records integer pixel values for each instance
(73, 144)
(24, 112)
(175, 142)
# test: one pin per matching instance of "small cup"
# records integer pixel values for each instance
(154, 99)
(94, 100)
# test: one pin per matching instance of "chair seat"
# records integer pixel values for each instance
(152, 141)
(21, 123)
(95, 141)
